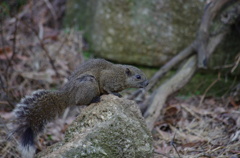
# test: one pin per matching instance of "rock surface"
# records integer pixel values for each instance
(138, 32)
(146, 32)
(111, 128)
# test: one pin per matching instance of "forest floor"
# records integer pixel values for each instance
(188, 128)
(185, 129)
(36, 54)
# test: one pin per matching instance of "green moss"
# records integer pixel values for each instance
(125, 135)
(10, 8)
(4, 9)
(202, 81)
(49, 137)
(107, 145)
(87, 54)
(136, 32)
(199, 83)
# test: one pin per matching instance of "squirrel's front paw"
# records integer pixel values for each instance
(117, 94)
(96, 99)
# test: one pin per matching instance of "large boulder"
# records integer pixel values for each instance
(143, 32)
(111, 128)
(146, 32)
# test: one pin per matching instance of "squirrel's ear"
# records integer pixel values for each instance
(128, 72)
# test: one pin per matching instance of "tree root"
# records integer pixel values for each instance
(175, 83)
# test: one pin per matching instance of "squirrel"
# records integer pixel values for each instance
(86, 84)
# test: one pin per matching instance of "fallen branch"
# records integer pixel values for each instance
(204, 42)
(163, 70)
(169, 87)
(161, 73)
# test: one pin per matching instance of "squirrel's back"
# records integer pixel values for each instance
(94, 66)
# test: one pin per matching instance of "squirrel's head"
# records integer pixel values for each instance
(135, 77)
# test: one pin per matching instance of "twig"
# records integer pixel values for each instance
(50, 7)
(65, 114)
(204, 151)
(10, 64)
(6, 74)
(14, 39)
(172, 143)
(41, 30)
(189, 110)
(62, 44)
(1, 83)
(44, 49)
(2, 39)
(6, 91)
(209, 87)
(53, 12)
(203, 155)
(3, 102)
(161, 154)
(236, 63)
(227, 66)
(196, 114)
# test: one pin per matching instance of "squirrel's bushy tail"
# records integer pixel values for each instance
(27, 131)
(26, 143)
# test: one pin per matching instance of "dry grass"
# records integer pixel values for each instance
(187, 129)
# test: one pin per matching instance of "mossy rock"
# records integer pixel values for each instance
(146, 33)
(112, 128)
(137, 32)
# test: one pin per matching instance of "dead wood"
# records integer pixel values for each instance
(170, 86)
(163, 70)
(204, 45)
(211, 11)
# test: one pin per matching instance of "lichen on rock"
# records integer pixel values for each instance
(136, 32)
(113, 127)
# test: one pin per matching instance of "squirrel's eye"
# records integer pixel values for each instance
(138, 77)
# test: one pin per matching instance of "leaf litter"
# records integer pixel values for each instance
(42, 57)
(35, 54)
(207, 130)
